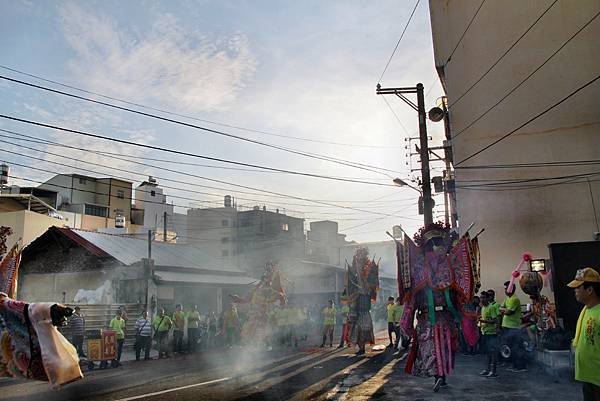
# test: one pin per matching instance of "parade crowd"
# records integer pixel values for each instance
(505, 332)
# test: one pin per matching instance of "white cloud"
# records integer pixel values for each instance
(184, 71)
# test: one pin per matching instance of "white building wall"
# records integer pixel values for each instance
(525, 219)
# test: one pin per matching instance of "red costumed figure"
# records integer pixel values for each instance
(437, 275)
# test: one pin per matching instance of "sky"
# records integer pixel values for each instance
(297, 75)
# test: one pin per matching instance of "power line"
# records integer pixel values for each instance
(239, 185)
(396, 115)
(527, 77)
(161, 178)
(361, 166)
(399, 40)
(126, 157)
(182, 153)
(529, 121)
(119, 178)
(532, 165)
(464, 33)
(503, 54)
(525, 180)
(527, 187)
(191, 117)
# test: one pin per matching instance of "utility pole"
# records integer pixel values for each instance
(428, 202)
(165, 227)
(449, 187)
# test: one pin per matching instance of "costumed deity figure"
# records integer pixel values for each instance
(260, 302)
(30, 345)
(362, 284)
(437, 275)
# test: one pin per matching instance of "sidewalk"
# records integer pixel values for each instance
(388, 381)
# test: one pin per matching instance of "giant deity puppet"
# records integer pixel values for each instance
(260, 302)
(362, 284)
(438, 275)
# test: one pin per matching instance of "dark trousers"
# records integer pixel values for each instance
(591, 392)
(78, 344)
(177, 340)
(162, 340)
(328, 331)
(233, 336)
(489, 344)
(392, 329)
(119, 348)
(144, 342)
(514, 339)
(193, 335)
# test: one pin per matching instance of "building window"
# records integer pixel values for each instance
(225, 223)
(224, 240)
(120, 194)
(153, 193)
(225, 253)
(93, 210)
(285, 227)
(82, 181)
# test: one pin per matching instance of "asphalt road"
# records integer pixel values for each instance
(238, 374)
(289, 374)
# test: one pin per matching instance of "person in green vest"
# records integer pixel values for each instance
(118, 324)
(345, 314)
(397, 311)
(328, 322)
(390, 321)
(587, 332)
(511, 327)
(178, 326)
(193, 324)
(490, 314)
(162, 324)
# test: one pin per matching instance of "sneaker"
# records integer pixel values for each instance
(492, 375)
(444, 384)
(484, 373)
(437, 385)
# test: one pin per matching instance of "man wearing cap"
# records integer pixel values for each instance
(511, 327)
(587, 333)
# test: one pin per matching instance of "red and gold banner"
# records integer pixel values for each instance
(9, 270)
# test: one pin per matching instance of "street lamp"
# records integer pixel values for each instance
(422, 206)
(402, 183)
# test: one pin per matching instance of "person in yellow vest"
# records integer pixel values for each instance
(511, 328)
(345, 312)
(390, 321)
(193, 323)
(587, 333)
(397, 311)
(118, 324)
(178, 326)
(162, 324)
(328, 322)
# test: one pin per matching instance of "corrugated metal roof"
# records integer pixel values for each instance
(132, 250)
(192, 278)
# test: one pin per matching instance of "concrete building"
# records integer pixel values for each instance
(28, 217)
(324, 242)
(264, 236)
(214, 230)
(90, 196)
(496, 84)
(150, 207)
